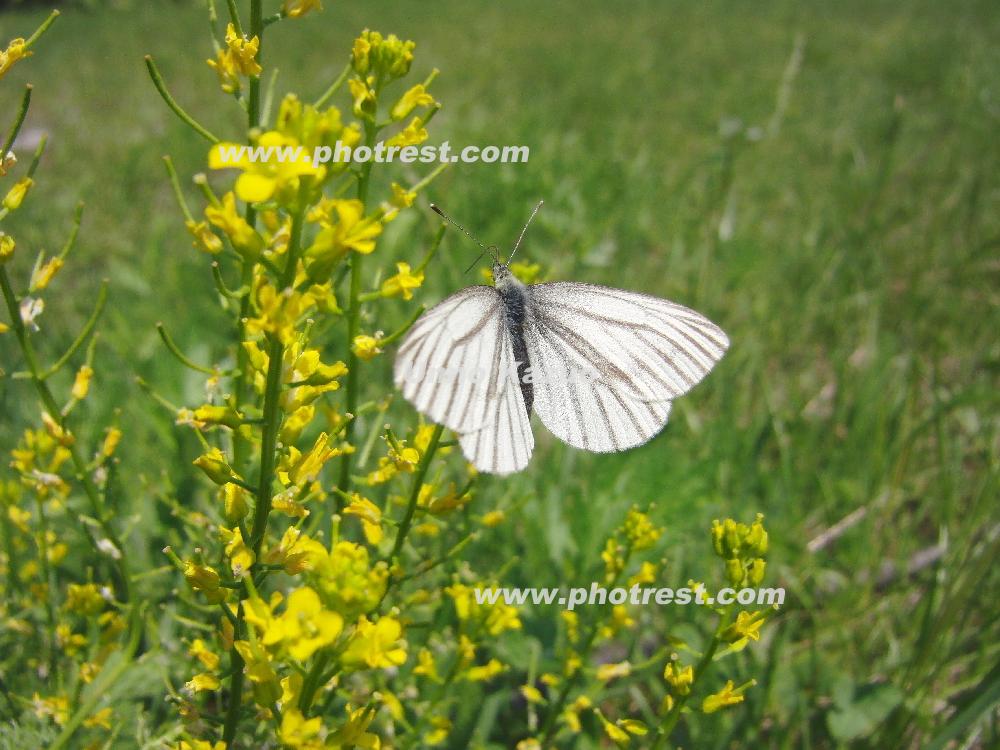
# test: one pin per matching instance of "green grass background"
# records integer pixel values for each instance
(838, 219)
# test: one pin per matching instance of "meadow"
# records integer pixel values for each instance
(820, 180)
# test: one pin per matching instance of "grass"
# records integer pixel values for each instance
(838, 216)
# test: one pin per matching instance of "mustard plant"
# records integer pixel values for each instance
(328, 571)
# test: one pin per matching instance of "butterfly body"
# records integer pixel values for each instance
(514, 297)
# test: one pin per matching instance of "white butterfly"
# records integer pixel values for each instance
(599, 366)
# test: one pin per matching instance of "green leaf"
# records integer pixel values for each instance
(864, 711)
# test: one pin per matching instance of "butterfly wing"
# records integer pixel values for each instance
(448, 362)
(505, 443)
(606, 363)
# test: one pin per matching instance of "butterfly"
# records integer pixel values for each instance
(599, 366)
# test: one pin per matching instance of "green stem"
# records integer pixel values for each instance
(353, 318)
(312, 681)
(674, 715)
(105, 681)
(418, 482)
(241, 445)
(88, 328)
(79, 463)
(555, 709)
(161, 87)
(332, 89)
(22, 112)
(42, 542)
(41, 29)
(272, 400)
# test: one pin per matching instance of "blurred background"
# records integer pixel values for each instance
(821, 180)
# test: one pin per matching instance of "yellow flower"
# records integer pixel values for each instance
(366, 347)
(6, 247)
(100, 719)
(350, 231)
(527, 273)
(298, 8)
(619, 620)
(727, 696)
(572, 713)
(267, 688)
(203, 681)
(572, 620)
(388, 57)
(304, 627)
(344, 577)
(639, 530)
(646, 574)
(416, 96)
(235, 503)
(43, 274)
(614, 562)
(204, 578)
(263, 178)
(620, 731)
(237, 59)
(200, 651)
(485, 672)
(354, 733)
(245, 239)
(532, 694)
(492, 518)
(111, 440)
(375, 645)
(15, 51)
(607, 672)
(81, 383)
(370, 516)
(214, 465)
(401, 197)
(298, 732)
(362, 97)
(300, 469)
(680, 679)
(439, 734)
(495, 618)
(56, 708)
(426, 666)
(412, 135)
(84, 599)
(240, 556)
(745, 629)
(292, 552)
(12, 201)
(403, 282)
(204, 238)
(201, 745)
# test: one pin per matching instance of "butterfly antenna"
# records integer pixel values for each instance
(518, 243)
(467, 233)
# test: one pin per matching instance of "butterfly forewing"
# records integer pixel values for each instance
(650, 348)
(449, 364)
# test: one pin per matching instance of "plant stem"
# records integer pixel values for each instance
(353, 316)
(418, 482)
(241, 445)
(79, 463)
(674, 715)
